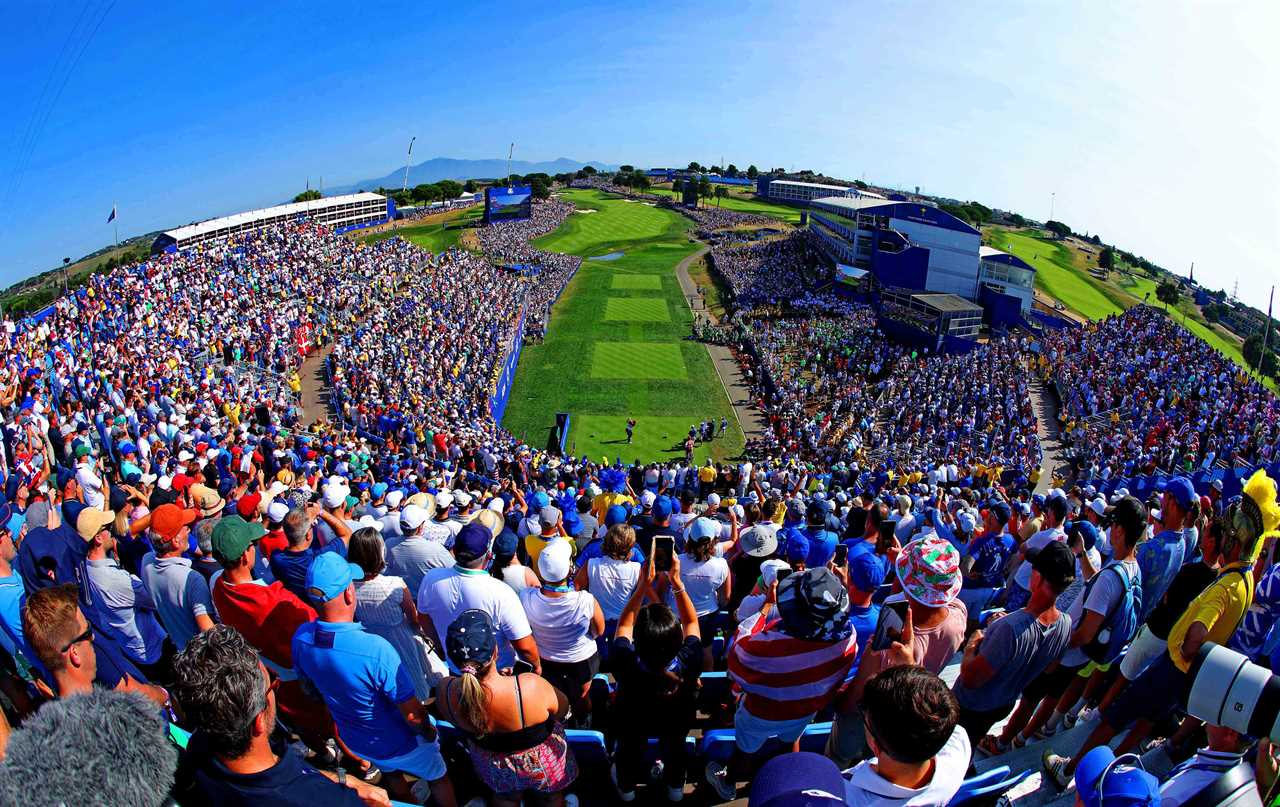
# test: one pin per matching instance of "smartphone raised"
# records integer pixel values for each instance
(842, 555)
(663, 548)
(893, 616)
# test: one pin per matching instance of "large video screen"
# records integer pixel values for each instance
(507, 203)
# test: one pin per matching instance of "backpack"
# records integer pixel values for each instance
(1121, 624)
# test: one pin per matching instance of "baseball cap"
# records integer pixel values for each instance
(770, 568)
(394, 498)
(1101, 777)
(702, 529)
(471, 639)
(1000, 510)
(506, 543)
(929, 569)
(797, 548)
(247, 506)
(647, 499)
(800, 779)
(334, 494)
(91, 521)
(661, 508)
(412, 517)
(276, 511)
(713, 500)
(1056, 564)
(814, 604)
(866, 571)
(378, 490)
(1099, 506)
(83, 450)
(369, 521)
(549, 515)
(444, 500)
(329, 576)
(232, 536)
(616, 514)
(554, 562)
(168, 519)
(1088, 533)
(462, 498)
(472, 542)
(1181, 490)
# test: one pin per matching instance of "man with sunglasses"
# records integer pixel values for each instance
(235, 755)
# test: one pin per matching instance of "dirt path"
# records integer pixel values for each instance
(315, 392)
(735, 385)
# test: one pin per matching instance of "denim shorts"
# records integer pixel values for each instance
(424, 761)
(753, 732)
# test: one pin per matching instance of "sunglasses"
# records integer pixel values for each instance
(87, 636)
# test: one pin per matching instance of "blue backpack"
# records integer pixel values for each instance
(1122, 623)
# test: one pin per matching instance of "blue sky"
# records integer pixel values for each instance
(1156, 124)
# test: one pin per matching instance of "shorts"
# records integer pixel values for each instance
(1051, 683)
(753, 732)
(424, 761)
(571, 676)
(548, 767)
(1143, 650)
(1157, 692)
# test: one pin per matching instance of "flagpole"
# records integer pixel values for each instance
(115, 226)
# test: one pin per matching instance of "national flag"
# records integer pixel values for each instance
(112, 217)
(785, 678)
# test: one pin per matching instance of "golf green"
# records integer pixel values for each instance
(617, 345)
(636, 309)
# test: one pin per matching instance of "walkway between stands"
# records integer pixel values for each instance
(1049, 430)
(735, 384)
(315, 388)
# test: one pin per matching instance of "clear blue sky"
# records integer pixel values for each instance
(1156, 125)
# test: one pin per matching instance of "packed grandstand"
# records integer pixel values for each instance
(423, 607)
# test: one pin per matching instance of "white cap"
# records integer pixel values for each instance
(276, 488)
(550, 516)
(593, 490)
(394, 497)
(148, 479)
(276, 511)
(461, 497)
(185, 456)
(648, 498)
(164, 482)
(369, 521)
(770, 568)
(554, 562)
(497, 505)
(444, 499)
(334, 495)
(713, 500)
(413, 516)
(1098, 506)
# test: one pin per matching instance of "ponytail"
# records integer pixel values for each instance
(473, 699)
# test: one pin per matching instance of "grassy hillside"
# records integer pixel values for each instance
(435, 233)
(35, 293)
(744, 204)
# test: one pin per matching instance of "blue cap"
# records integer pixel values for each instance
(703, 528)
(661, 508)
(1182, 491)
(616, 514)
(1000, 510)
(801, 779)
(473, 542)
(797, 546)
(540, 500)
(1038, 499)
(128, 448)
(506, 543)
(471, 640)
(1101, 778)
(1087, 531)
(329, 576)
(866, 571)
(379, 490)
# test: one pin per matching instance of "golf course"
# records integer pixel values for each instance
(617, 345)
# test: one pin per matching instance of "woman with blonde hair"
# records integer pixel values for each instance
(513, 726)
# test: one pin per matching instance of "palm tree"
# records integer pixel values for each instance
(721, 192)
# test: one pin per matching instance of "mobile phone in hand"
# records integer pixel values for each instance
(893, 616)
(663, 549)
(842, 555)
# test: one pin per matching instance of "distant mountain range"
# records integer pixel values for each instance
(439, 168)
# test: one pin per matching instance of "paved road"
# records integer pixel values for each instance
(749, 417)
(1049, 430)
(315, 392)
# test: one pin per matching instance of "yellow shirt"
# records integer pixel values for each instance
(1220, 607)
(707, 473)
(534, 544)
(600, 505)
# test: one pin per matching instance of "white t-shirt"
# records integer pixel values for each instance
(612, 582)
(702, 579)
(866, 788)
(561, 625)
(446, 593)
(1035, 543)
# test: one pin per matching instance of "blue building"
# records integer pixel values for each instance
(904, 244)
(1005, 274)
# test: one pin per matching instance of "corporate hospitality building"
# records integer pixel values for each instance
(918, 247)
(340, 213)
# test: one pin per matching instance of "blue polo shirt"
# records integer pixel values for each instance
(362, 681)
(822, 546)
(860, 546)
(290, 566)
(1159, 557)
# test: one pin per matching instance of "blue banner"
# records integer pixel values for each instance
(501, 391)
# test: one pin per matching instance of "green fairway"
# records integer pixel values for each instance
(616, 346)
(790, 215)
(437, 235)
(1056, 273)
(636, 309)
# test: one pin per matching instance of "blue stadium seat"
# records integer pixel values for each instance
(988, 785)
(588, 748)
(716, 685)
(717, 744)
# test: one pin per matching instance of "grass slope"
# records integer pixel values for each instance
(437, 234)
(791, 215)
(605, 357)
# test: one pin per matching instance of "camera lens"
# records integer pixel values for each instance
(1229, 690)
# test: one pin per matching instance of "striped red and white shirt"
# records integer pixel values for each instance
(786, 678)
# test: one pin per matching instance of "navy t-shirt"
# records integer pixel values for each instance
(290, 566)
(202, 780)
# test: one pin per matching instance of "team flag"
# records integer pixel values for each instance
(112, 217)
